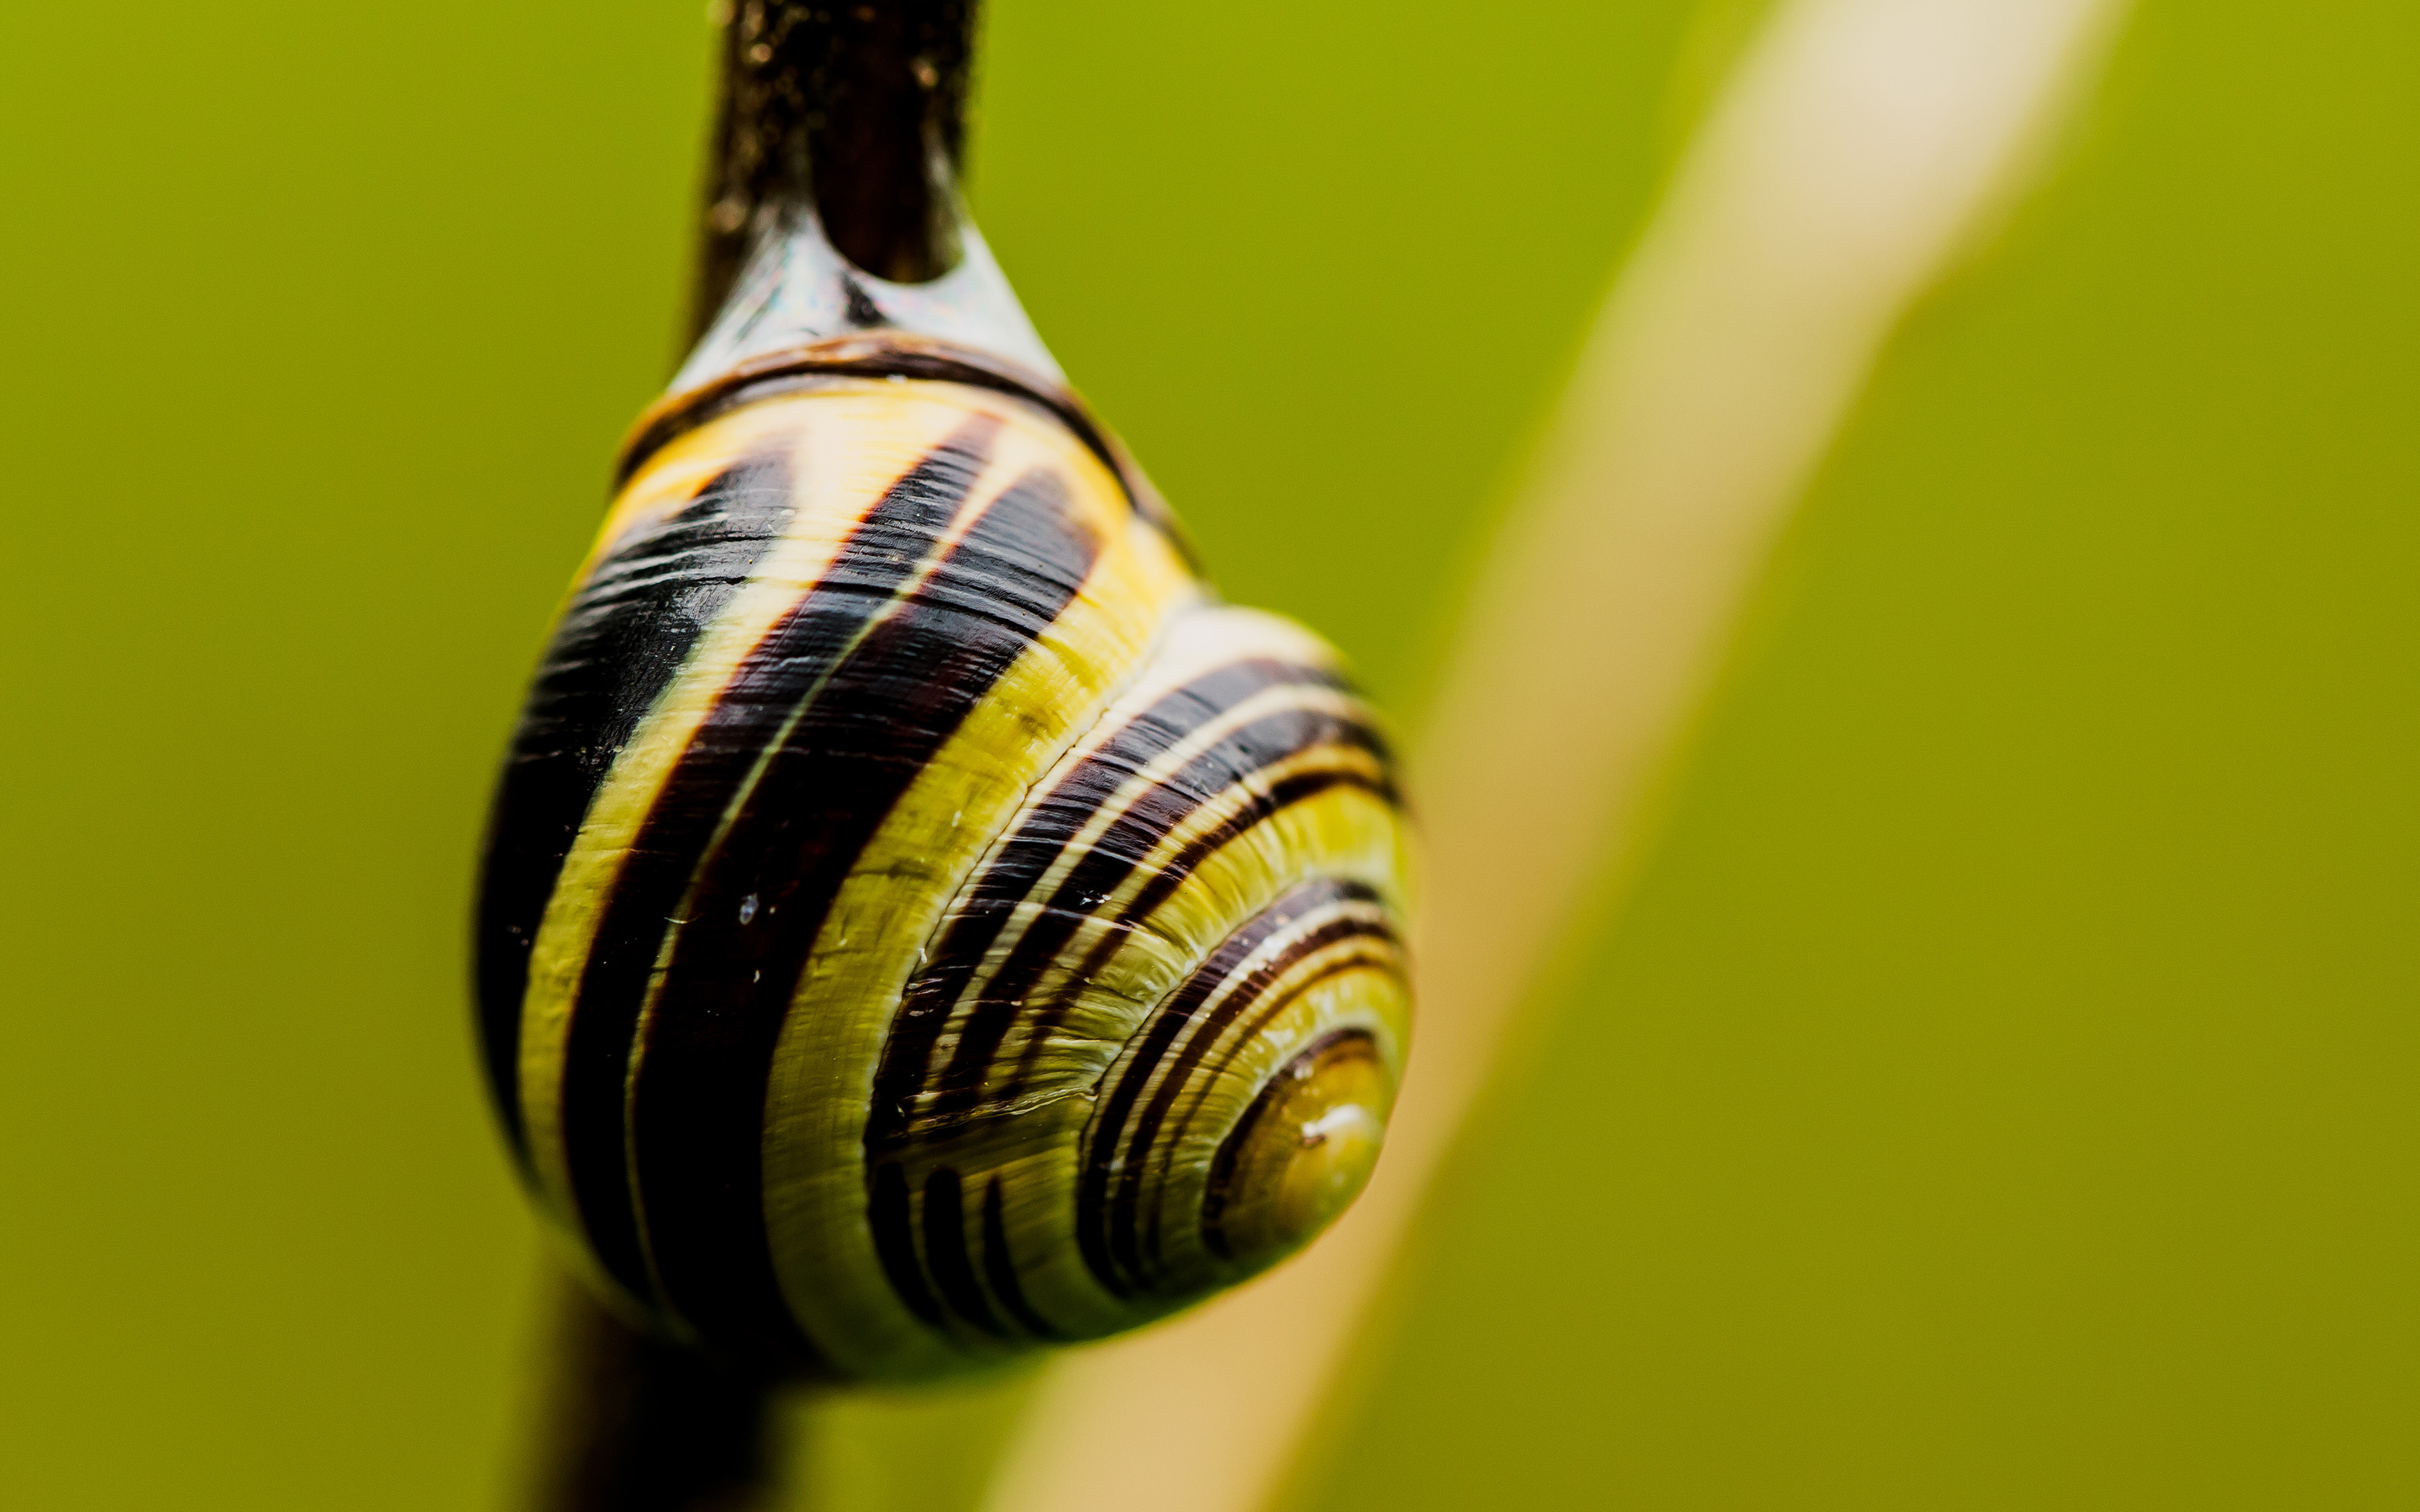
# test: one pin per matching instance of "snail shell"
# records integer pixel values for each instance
(919, 923)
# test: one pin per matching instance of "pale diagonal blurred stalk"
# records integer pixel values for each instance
(1854, 150)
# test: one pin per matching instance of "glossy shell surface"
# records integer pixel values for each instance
(921, 924)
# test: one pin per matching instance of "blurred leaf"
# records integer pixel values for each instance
(1996, 1092)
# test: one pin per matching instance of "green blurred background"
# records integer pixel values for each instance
(1994, 1086)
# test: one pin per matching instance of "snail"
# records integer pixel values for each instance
(921, 923)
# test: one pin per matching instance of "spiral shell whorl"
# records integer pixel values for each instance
(918, 925)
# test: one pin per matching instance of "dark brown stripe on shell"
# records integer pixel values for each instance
(1114, 857)
(1124, 1229)
(1299, 788)
(945, 1251)
(999, 1266)
(1030, 853)
(626, 633)
(764, 693)
(1105, 1152)
(1242, 1039)
(760, 899)
(894, 1242)
(904, 355)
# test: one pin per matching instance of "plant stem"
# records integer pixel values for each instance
(857, 111)
(634, 1424)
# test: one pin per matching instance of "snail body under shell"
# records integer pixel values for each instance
(919, 923)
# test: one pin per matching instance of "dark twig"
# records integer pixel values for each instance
(858, 110)
(639, 1425)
